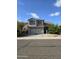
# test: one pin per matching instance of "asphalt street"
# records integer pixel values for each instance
(39, 49)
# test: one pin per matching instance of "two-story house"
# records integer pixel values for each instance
(35, 26)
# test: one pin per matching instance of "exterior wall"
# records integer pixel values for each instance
(36, 30)
(35, 23)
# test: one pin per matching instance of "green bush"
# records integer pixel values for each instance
(20, 26)
(21, 33)
(54, 29)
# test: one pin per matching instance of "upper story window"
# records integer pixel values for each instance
(39, 22)
(32, 22)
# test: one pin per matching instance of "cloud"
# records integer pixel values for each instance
(55, 14)
(34, 15)
(57, 3)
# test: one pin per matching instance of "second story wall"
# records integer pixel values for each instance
(35, 22)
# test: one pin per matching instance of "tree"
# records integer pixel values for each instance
(54, 29)
(50, 28)
(20, 25)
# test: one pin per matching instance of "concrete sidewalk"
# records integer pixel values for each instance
(41, 36)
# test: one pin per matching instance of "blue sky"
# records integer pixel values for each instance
(50, 10)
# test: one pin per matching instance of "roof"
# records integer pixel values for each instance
(35, 19)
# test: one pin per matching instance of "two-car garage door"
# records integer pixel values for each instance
(36, 31)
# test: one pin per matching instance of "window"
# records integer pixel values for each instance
(32, 22)
(39, 22)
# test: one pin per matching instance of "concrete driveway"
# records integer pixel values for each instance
(41, 36)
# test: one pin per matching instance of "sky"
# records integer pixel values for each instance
(49, 10)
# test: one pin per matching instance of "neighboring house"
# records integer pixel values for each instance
(35, 26)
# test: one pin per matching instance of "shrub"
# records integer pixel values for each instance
(21, 33)
(54, 29)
